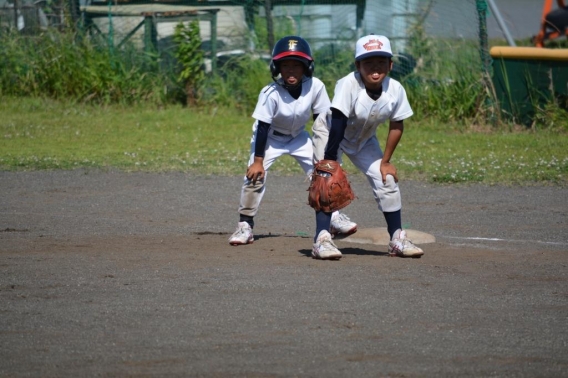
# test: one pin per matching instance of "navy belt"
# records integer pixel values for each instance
(279, 134)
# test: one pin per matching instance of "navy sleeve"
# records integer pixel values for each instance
(336, 133)
(261, 137)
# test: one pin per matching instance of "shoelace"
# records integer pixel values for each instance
(240, 231)
(343, 218)
(407, 242)
(328, 244)
(404, 243)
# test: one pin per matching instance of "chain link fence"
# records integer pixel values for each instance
(426, 35)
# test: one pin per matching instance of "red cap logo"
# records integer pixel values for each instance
(373, 44)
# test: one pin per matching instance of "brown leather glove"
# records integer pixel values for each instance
(329, 188)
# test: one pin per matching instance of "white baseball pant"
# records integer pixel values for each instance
(368, 161)
(299, 147)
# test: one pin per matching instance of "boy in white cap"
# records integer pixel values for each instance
(362, 101)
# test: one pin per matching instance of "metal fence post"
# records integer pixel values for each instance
(150, 33)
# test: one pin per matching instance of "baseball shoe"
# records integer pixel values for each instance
(324, 249)
(243, 235)
(401, 246)
(341, 224)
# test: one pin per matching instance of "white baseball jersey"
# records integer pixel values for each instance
(365, 114)
(287, 115)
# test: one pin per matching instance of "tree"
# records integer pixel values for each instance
(190, 59)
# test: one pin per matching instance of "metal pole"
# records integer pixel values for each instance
(269, 23)
(16, 9)
(501, 23)
(213, 25)
(483, 40)
(484, 53)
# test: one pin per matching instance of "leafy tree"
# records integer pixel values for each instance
(189, 55)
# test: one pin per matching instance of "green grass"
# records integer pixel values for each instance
(40, 134)
(442, 154)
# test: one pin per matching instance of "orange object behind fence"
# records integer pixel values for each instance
(554, 24)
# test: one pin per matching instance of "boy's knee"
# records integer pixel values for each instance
(389, 198)
(255, 186)
(390, 182)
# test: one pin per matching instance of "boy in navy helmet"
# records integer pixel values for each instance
(282, 111)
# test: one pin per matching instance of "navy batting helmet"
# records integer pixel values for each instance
(292, 47)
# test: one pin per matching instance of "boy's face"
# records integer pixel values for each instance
(374, 70)
(291, 71)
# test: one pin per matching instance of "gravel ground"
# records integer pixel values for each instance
(105, 273)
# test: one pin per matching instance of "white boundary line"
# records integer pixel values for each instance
(505, 240)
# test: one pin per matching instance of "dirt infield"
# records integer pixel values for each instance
(130, 274)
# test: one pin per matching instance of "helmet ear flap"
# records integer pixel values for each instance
(274, 69)
(310, 70)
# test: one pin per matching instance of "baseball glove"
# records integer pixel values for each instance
(329, 188)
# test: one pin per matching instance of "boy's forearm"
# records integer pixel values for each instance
(395, 133)
(336, 134)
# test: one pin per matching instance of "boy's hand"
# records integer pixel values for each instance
(395, 133)
(388, 169)
(256, 171)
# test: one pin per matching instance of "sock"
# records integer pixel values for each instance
(248, 219)
(394, 221)
(323, 222)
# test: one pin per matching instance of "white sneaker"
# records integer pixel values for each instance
(243, 235)
(324, 249)
(403, 247)
(341, 224)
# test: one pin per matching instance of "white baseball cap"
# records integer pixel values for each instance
(372, 45)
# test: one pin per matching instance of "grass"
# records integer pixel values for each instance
(40, 134)
(441, 154)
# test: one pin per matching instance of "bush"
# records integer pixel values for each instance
(65, 66)
(73, 67)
